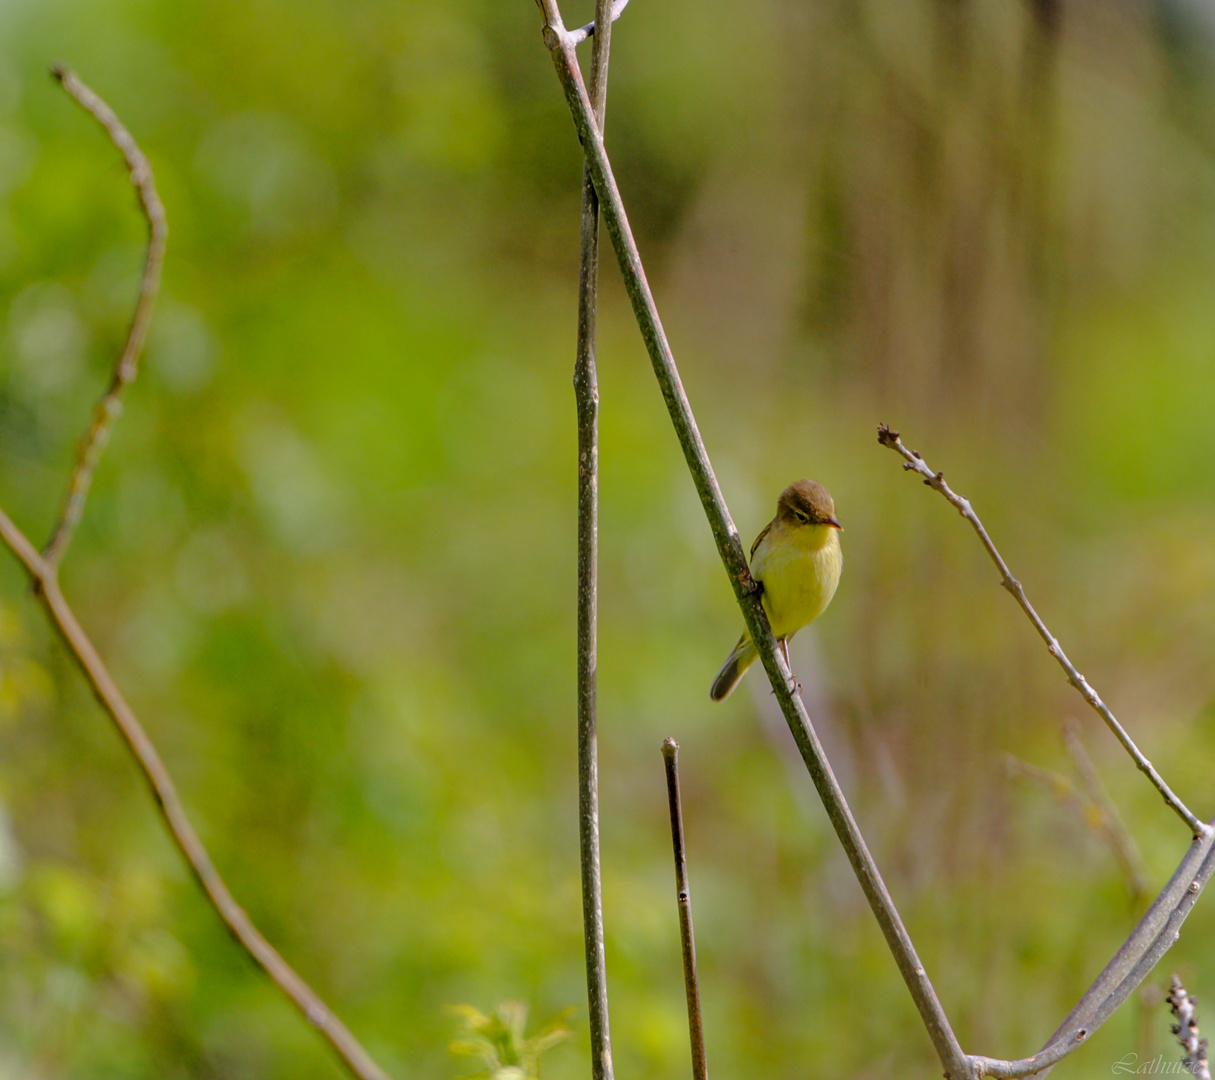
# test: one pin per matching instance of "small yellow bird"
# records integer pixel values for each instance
(797, 559)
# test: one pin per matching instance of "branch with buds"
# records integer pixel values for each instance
(1186, 1030)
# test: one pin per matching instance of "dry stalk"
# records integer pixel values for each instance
(1186, 1030)
(586, 394)
(683, 898)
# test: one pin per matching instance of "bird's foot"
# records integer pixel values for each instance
(753, 587)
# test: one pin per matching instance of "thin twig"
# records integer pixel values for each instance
(577, 37)
(1186, 1030)
(557, 40)
(586, 393)
(1126, 851)
(43, 570)
(687, 934)
(935, 480)
(108, 408)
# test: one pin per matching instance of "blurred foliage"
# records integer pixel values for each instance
(499, 1040)
(330, 553)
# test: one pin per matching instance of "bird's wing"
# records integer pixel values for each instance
(762, 533)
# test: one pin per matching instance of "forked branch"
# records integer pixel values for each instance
(43, 571)
(913, 462)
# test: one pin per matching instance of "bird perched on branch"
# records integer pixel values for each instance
(797, 560)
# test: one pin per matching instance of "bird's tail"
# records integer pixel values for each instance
(732, 670)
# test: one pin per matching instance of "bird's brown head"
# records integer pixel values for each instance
(807, 502)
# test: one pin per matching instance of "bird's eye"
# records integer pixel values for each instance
(801, 517)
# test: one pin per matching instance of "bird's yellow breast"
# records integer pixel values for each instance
(799, 566)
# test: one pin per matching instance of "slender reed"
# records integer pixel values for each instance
(683, 897)
(586, 393)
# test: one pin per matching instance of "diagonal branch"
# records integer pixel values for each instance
(935, 480)
(43, 571)
(957, 1066)
(586, 393)
(108, 408)
(171, 810)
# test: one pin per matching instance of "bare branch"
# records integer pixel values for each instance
(586, 394)
(108, 408)
(1186, 1030)
(687, 934)
(1030, 1066)
(935, 480)
(957, 1065)
(577, 37)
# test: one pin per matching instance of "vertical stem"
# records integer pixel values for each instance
(586, 392)
(687, 934)
(729, 546)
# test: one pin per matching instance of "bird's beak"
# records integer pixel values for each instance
(834, 524)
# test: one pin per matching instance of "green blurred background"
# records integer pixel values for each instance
(330, 553)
